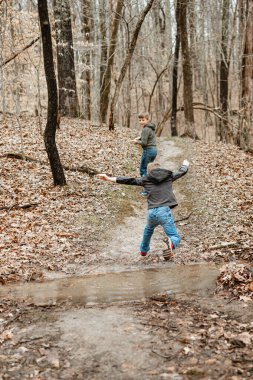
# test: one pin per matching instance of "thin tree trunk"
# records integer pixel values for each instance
(224, 71)
(187, 72)
(168, 26)
(68, 100)
(103, 40)
(3, 27)
(128, 98)
(158, 76)
(16, 84)
(86, 74)
(173, 120)
(106, 80)
(52, 110)
(193, 24)
(127, 62)
(159, 27)
(96, 62)
(246, 128)
(241, 45)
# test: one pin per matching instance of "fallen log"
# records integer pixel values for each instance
(19, 156)
(82, 169)
(17, 206)
(224, 244)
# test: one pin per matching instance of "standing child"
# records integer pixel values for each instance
(147, 140)
(158, 185)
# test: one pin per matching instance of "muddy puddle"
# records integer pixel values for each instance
(117, 287)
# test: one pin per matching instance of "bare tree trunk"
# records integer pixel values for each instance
(173, 120)
(242, 14)
(68, 100)
(196, 77)
(159, 27)
(103, 41)
(86, 74)
(96, 64)
(157, 81)
(16, 87)
(168, 25)
(128, 97)
(127, 61)
(52, 110)
(3, 23)
(246, 128)
(187, 72)
(106, 80)
(224, 71)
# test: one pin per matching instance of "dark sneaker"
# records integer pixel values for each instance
(168, 253)
(143, 253)
(144, 193)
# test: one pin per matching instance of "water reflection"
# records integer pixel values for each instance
(115, 287)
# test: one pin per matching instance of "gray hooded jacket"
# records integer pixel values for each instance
(158, 185)
(148, 137)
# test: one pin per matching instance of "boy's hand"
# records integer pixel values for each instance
(186, 163)
(103, 176)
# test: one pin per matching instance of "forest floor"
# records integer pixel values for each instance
(90, 229)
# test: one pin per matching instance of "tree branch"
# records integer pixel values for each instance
(186, 217)
(20, 51)
(82, 169)
(206, 108)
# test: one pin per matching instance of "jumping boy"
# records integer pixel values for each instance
(147, 140)
(158, 184)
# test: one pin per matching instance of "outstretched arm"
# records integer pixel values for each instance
(105, 177)
(182, 171)
(121, 180)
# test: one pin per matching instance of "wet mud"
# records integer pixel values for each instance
(117, 287)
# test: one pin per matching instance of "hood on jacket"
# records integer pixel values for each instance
(151, 126)
(159, 175)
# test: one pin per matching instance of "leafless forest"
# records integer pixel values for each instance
(187, 61)
(74, 75)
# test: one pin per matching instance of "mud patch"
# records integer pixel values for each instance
(106, 342)
(117, 287)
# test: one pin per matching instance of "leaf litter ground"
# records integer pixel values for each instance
(176, 337)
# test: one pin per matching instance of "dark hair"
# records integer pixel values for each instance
(144, 115)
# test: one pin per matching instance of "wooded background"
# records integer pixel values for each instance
(189, 62)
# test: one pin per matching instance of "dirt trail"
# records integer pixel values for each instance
(106, 342)
(120, 252)
(127, 340)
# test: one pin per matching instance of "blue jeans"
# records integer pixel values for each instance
(159, 216)
(148, 155)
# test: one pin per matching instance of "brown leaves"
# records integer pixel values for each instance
(6, 335)
(214, 343)
(220, 191)
(67, 223)
(236, 279)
